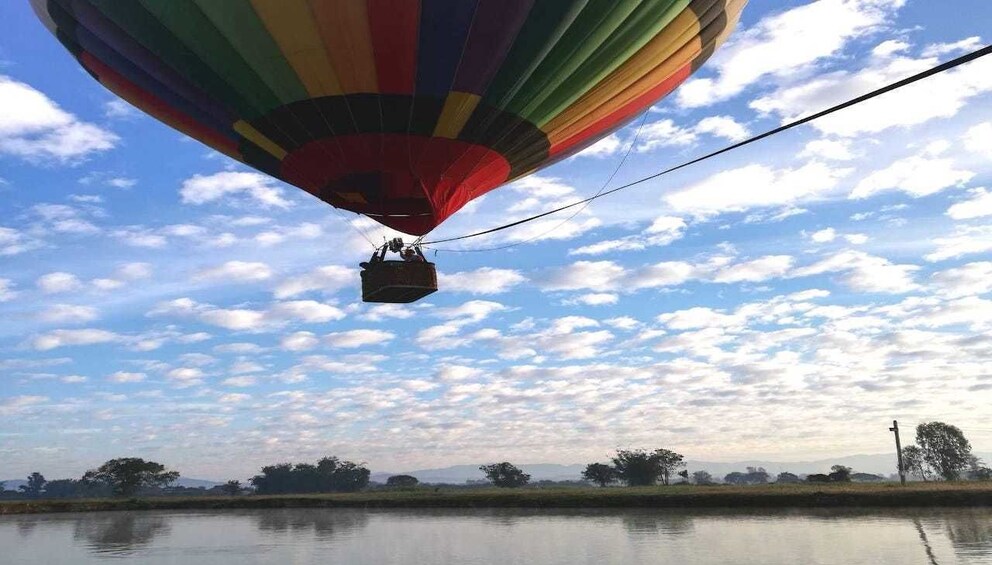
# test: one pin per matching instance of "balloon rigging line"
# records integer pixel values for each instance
(852, 102)
(630, 147)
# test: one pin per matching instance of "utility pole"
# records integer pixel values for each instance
(902, 470)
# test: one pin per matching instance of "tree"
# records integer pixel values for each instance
(403, 481)
(787, 478)
(128, 475)
(232, 488)
(735, 478)
(684, 473)
(330, 474)
(818, 478)
(669, 461)
(912, 460)
(756, 476)
(600, 473)
(36, 484)
(702, 478)
(342, 476)
(866, 477)
(505, 475)
(944, 447)
(840, 474)
(274, 479)
(977, 471)
(637, 467)
(71, 488)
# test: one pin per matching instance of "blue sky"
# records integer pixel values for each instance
(783, 301)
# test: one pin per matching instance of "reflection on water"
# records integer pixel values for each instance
(926, 543)
(119, 532)
(297, 536)
(322, 523)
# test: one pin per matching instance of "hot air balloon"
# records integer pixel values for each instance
(400, 110)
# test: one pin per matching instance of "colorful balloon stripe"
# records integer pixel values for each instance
(403, 110)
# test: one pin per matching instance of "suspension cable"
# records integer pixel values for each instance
(852, 102)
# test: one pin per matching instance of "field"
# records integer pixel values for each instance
(770, 496)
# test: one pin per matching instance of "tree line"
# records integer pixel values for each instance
(941, 452)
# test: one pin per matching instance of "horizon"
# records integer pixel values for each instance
(784, 301)
(689, 460)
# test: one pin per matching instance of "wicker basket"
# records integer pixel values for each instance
(398, 282)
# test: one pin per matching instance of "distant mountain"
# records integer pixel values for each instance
(194, 483)
(462, 473)
(14, 484)
(879, 463)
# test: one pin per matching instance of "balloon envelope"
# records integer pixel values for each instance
(401, 110)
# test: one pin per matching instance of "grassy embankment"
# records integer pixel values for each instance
(770, 496)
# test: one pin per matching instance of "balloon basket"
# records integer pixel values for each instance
(398, 282)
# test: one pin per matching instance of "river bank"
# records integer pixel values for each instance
(767, 496)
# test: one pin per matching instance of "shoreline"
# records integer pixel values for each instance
(887, 495)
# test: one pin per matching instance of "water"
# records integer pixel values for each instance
(505, 537)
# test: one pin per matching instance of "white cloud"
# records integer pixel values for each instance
(34, 127)
(856, 238)
(233, 398)
(118, 108)
(978, 139)
(381, 312)
(17, 404)
(125, 377)
(201, 189)
(864, 272)
(236, 271)
(63, 338)
(965, 240)
(473, 310)
(239, 381)
(966, 280)
(725, 127)
(244, 367)
(13, 242)
(782, 44)
(276, 315)
(358, 338)
(763, 268)
(941, 49)
(594, 275)
(185, 375)
(755, 186)
(7, 292)
(918, 175)
(328, 279)
(68, 313)
(978, 206)
(307, 311)
(300, 341)
(295, 233)
(699, 317)
(940, 96)
(595, 299)
(134, 271)
(832, 149)
(664, 133)
(605, 147)
(121, 182)
(485, 280)
(662, 231)
(824, 236)
(136, 236)
(235, 319)
(58, 282)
